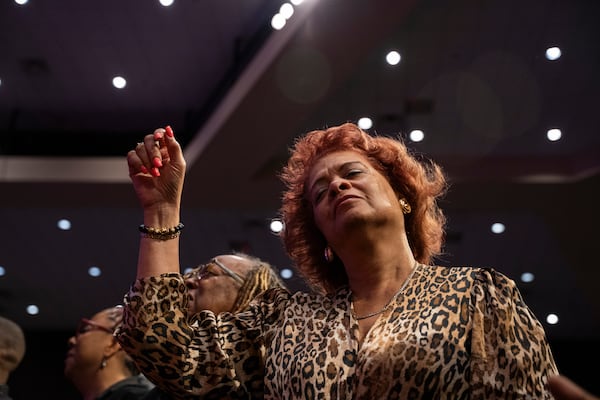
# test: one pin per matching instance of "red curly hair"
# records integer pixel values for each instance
(421, 183)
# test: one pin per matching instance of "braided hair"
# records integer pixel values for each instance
(260, 278)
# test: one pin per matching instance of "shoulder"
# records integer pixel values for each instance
(133, 387)
(465, 277)
(469, 272)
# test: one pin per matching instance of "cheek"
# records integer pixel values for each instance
(319, 216)
(387, 197)
(388, 203)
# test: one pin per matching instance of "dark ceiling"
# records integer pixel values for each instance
(473, 77)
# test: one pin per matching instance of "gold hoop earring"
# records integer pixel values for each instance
(406, 208)
(328, 254)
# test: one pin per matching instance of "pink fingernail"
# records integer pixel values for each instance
(155, 171)
(169, 131)
(157, 135)
(157, 162)
(144, 169)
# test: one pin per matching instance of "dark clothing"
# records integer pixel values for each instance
(156, 394)
(4, 392)
(132, 388)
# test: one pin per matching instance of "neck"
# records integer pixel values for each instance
(377, 266)
(4, 376)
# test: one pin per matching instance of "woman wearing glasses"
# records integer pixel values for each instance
(227, 283)
(97, 365)
(362, 225)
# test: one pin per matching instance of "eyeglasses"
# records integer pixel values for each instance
(86, 325)
(203, 271)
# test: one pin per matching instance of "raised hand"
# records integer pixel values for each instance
(157, 170)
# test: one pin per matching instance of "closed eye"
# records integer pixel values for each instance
(353, 172)
(319, 194)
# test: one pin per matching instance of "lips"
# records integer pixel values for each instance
(343, 199)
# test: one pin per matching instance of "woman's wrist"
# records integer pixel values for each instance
(165, 216)
(161, 233)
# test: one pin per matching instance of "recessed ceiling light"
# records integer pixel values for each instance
(32, 309)
(416, 135)
(278, 21)
(498, 227)
(119, 82)
(554, 134)
(393, 57)
(365, 123)
(552, 319)
(276, 225)
(553, 53)
(527, 277)
(286, 273)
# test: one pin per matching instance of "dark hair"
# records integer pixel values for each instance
(420, 182)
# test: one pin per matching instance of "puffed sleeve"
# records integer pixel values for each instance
(511, 358)
(217, 355)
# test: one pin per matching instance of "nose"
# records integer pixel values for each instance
(71, 341)
(338, 184)
(191, 282)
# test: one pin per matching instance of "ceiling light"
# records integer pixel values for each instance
(119, 82)
(64, 224)
(498, 227)
(553, 134)
(166, 3)
(276, 226)
(527, 277)
(32, 309)
(2, 271)
(94, 271)
(286, 273)
(393, 57)
(552, 319)
(365, 123)
(553, 53)
(278, 21)
(296, 2)
(21, 2)
(416, 135)
(286, 10)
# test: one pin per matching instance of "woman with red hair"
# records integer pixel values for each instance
(363, 226)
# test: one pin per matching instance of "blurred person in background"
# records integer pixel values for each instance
(12, 351)
(97, 365)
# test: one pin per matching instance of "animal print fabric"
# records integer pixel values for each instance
(454, 333)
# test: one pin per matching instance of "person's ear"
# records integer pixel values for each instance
(112, 348)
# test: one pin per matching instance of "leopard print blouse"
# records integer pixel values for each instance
(454, 333)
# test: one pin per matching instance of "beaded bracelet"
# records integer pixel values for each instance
(161, 233)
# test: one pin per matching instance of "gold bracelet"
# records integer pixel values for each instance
(161, 233)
